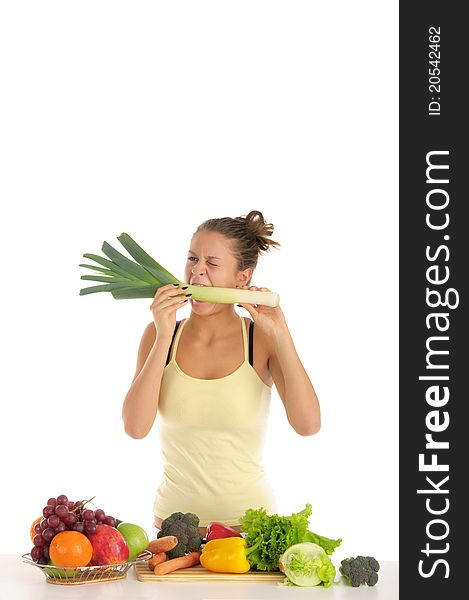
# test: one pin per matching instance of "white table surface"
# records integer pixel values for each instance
(20, 581)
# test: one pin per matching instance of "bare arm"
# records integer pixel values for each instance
(141, 402)
(294, 386)
(290, 378)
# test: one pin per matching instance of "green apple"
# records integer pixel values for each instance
(56, 572)
(136, 538)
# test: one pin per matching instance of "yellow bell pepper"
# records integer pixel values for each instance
(225, 555)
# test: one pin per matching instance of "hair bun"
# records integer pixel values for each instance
(256, 224)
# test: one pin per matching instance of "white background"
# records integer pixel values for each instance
(150, 117)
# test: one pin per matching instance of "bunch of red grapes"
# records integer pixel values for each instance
(61, 514)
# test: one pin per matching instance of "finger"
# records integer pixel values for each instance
(170, 308)
(170, 287)
(163, 290)
(162, 303)
(172, 297)
(170, 292)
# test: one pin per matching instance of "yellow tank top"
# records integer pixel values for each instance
(212, 434)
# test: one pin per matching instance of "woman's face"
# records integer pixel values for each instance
(211, 262)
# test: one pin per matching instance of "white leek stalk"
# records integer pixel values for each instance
(220, 295)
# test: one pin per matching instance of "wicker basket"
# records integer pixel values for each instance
(80, 575)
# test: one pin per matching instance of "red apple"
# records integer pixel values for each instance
(109, 546)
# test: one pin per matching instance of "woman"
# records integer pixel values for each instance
(209, 378)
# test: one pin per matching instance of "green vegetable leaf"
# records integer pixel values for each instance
(144, 259)
(131, 293)
(269, 536)
(110, 265)
(97, 269)
(128, 265)
(112, 279)
(326, 543)
(108, 287)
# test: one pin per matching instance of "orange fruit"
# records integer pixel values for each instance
(70, 549)
(32, 533)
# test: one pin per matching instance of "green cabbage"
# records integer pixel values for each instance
(307, 564)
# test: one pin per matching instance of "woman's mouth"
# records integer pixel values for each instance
(193, 300)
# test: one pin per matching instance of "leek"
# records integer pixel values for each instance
(140, 278)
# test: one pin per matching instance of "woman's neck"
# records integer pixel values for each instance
(209, 327)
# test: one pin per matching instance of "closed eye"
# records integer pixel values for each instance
(194, 258)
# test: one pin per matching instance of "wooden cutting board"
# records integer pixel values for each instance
(198, 573)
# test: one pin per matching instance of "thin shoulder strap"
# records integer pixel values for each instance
(168, 358)
(251, 343)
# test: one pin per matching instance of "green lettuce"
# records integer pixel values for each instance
(307, 564)
(326, 544)
(269, 536)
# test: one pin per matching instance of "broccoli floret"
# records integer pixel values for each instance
(195, 539)
(191, 519)
(360, 570)
(185, 527)
(372, 578)
(179, 530)
(176, 516)
(373, 563)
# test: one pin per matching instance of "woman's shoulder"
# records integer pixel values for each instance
(149, 331)
(148, 339)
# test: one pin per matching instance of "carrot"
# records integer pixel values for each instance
(157, 559)
(189, 560)
(162, 544)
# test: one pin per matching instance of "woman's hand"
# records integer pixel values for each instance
(270, 319)
(166, 301)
